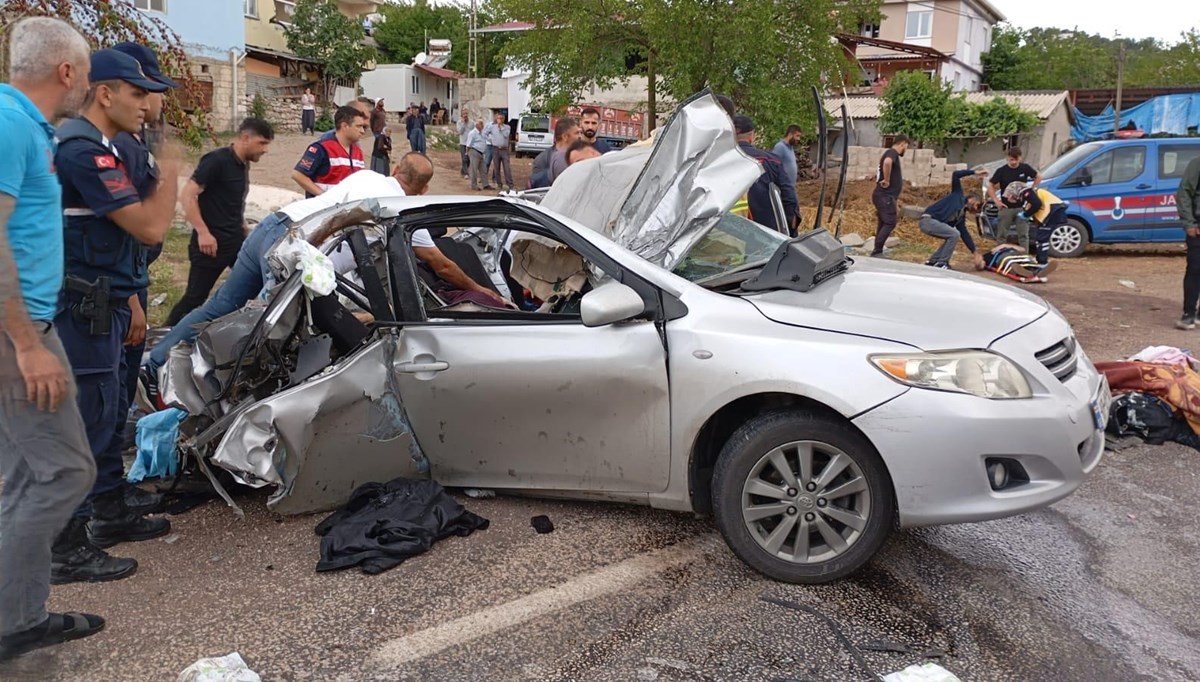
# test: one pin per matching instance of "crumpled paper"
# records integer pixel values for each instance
(317, 270)
(230, 668)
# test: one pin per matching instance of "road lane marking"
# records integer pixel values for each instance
(599, 583)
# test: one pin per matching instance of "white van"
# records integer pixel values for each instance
(535, 134)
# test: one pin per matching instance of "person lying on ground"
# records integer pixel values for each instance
(1011, 261)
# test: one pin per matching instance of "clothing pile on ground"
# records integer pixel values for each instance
(384, 524)
(1156, 397)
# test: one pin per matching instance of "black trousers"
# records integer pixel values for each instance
(201, 277)
(1191, 277)
(886, 217)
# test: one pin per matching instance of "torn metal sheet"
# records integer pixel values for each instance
(320, 440)
(660, 201)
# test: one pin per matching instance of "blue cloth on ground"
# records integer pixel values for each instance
(157, 434)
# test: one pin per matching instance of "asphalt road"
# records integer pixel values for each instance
(1098, 587)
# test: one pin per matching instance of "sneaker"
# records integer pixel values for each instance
(1186, 322)
(147, 391)
(942, 266)
(74, 559)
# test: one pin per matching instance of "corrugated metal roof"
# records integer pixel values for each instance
(1039, 103)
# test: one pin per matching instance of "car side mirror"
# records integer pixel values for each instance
(609, 303)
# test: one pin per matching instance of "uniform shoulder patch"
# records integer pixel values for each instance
(106, 161)
(312, 149)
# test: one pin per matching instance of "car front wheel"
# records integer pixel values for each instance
(802, 498)
(1069, 240)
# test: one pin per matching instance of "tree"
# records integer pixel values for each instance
(918, 106)
(105, 23)
(321, 33)
(402, 33)
(765, 55)
(1001, 64)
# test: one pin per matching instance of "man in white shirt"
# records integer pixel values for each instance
(251, 272)
(497, 135)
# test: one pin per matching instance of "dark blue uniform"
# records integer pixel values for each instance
(143, 172)
(105, 266)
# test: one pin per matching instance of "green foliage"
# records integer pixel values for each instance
(999, 118)
(258, 108)
(324, 122)
(105, 23)
(918, 106)
(335, 41)
(405, 26)
(1058, 59)
(764, 55)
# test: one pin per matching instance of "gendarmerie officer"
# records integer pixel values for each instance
(142, 168)
(106, 224)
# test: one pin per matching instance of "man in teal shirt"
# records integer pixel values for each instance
(45, 459)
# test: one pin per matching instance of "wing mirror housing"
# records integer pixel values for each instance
(609, 303)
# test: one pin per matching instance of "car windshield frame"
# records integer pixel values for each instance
(1067, 161)
(756, 244)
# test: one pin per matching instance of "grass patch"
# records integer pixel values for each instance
(168, 274)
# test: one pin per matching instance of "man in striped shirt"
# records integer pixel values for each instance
(328, 161)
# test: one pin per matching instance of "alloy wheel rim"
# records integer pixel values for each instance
(1065, 239)
(806, 502)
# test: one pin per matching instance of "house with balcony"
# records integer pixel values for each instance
(211, 33)
(944, 38)
(272, 70)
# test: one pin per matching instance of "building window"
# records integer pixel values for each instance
(416, 85)
(868, 30)
(285, 11)
(919, 23)
(252, 8)
(151, 5)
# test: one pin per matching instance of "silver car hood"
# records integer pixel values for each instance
(659, 200)
(920, 306)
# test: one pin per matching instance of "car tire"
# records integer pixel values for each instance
(751, 523)
(1070, 240)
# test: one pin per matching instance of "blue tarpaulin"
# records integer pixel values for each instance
(1171, 114)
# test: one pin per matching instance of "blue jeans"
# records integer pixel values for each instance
(247, 278)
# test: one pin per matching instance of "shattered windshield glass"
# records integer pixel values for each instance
(735, 243)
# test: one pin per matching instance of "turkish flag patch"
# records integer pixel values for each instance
(312, 149)
(106, 161)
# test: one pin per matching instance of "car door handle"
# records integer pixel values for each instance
(422, 367)
(1144, 186)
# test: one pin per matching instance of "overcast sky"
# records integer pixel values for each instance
(1162, 19)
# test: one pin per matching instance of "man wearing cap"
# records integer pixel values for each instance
(757, 203)
(142, 168)
(106, 224)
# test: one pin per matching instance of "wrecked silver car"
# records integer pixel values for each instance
(669, 354)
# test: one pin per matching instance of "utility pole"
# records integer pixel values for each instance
(472, 49)
(1120, 82)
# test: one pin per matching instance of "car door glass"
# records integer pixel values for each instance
(1173, 159)
(1128, 163)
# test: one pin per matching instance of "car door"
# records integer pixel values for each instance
(1163, 224)
(1113, 191)
(539, 401)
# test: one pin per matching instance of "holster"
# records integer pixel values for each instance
(95, 305)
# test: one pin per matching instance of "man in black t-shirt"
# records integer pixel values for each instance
(1012, 171)
(889, 182)
(214, 201)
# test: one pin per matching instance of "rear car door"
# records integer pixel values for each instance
(1163, 224)
(1113, 191)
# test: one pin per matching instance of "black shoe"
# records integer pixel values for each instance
(113, 522)
(147, 391)
(56, 629)
(141, 501)
(1186, 322)
(75, 559)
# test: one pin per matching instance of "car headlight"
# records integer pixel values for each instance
(974, 372)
